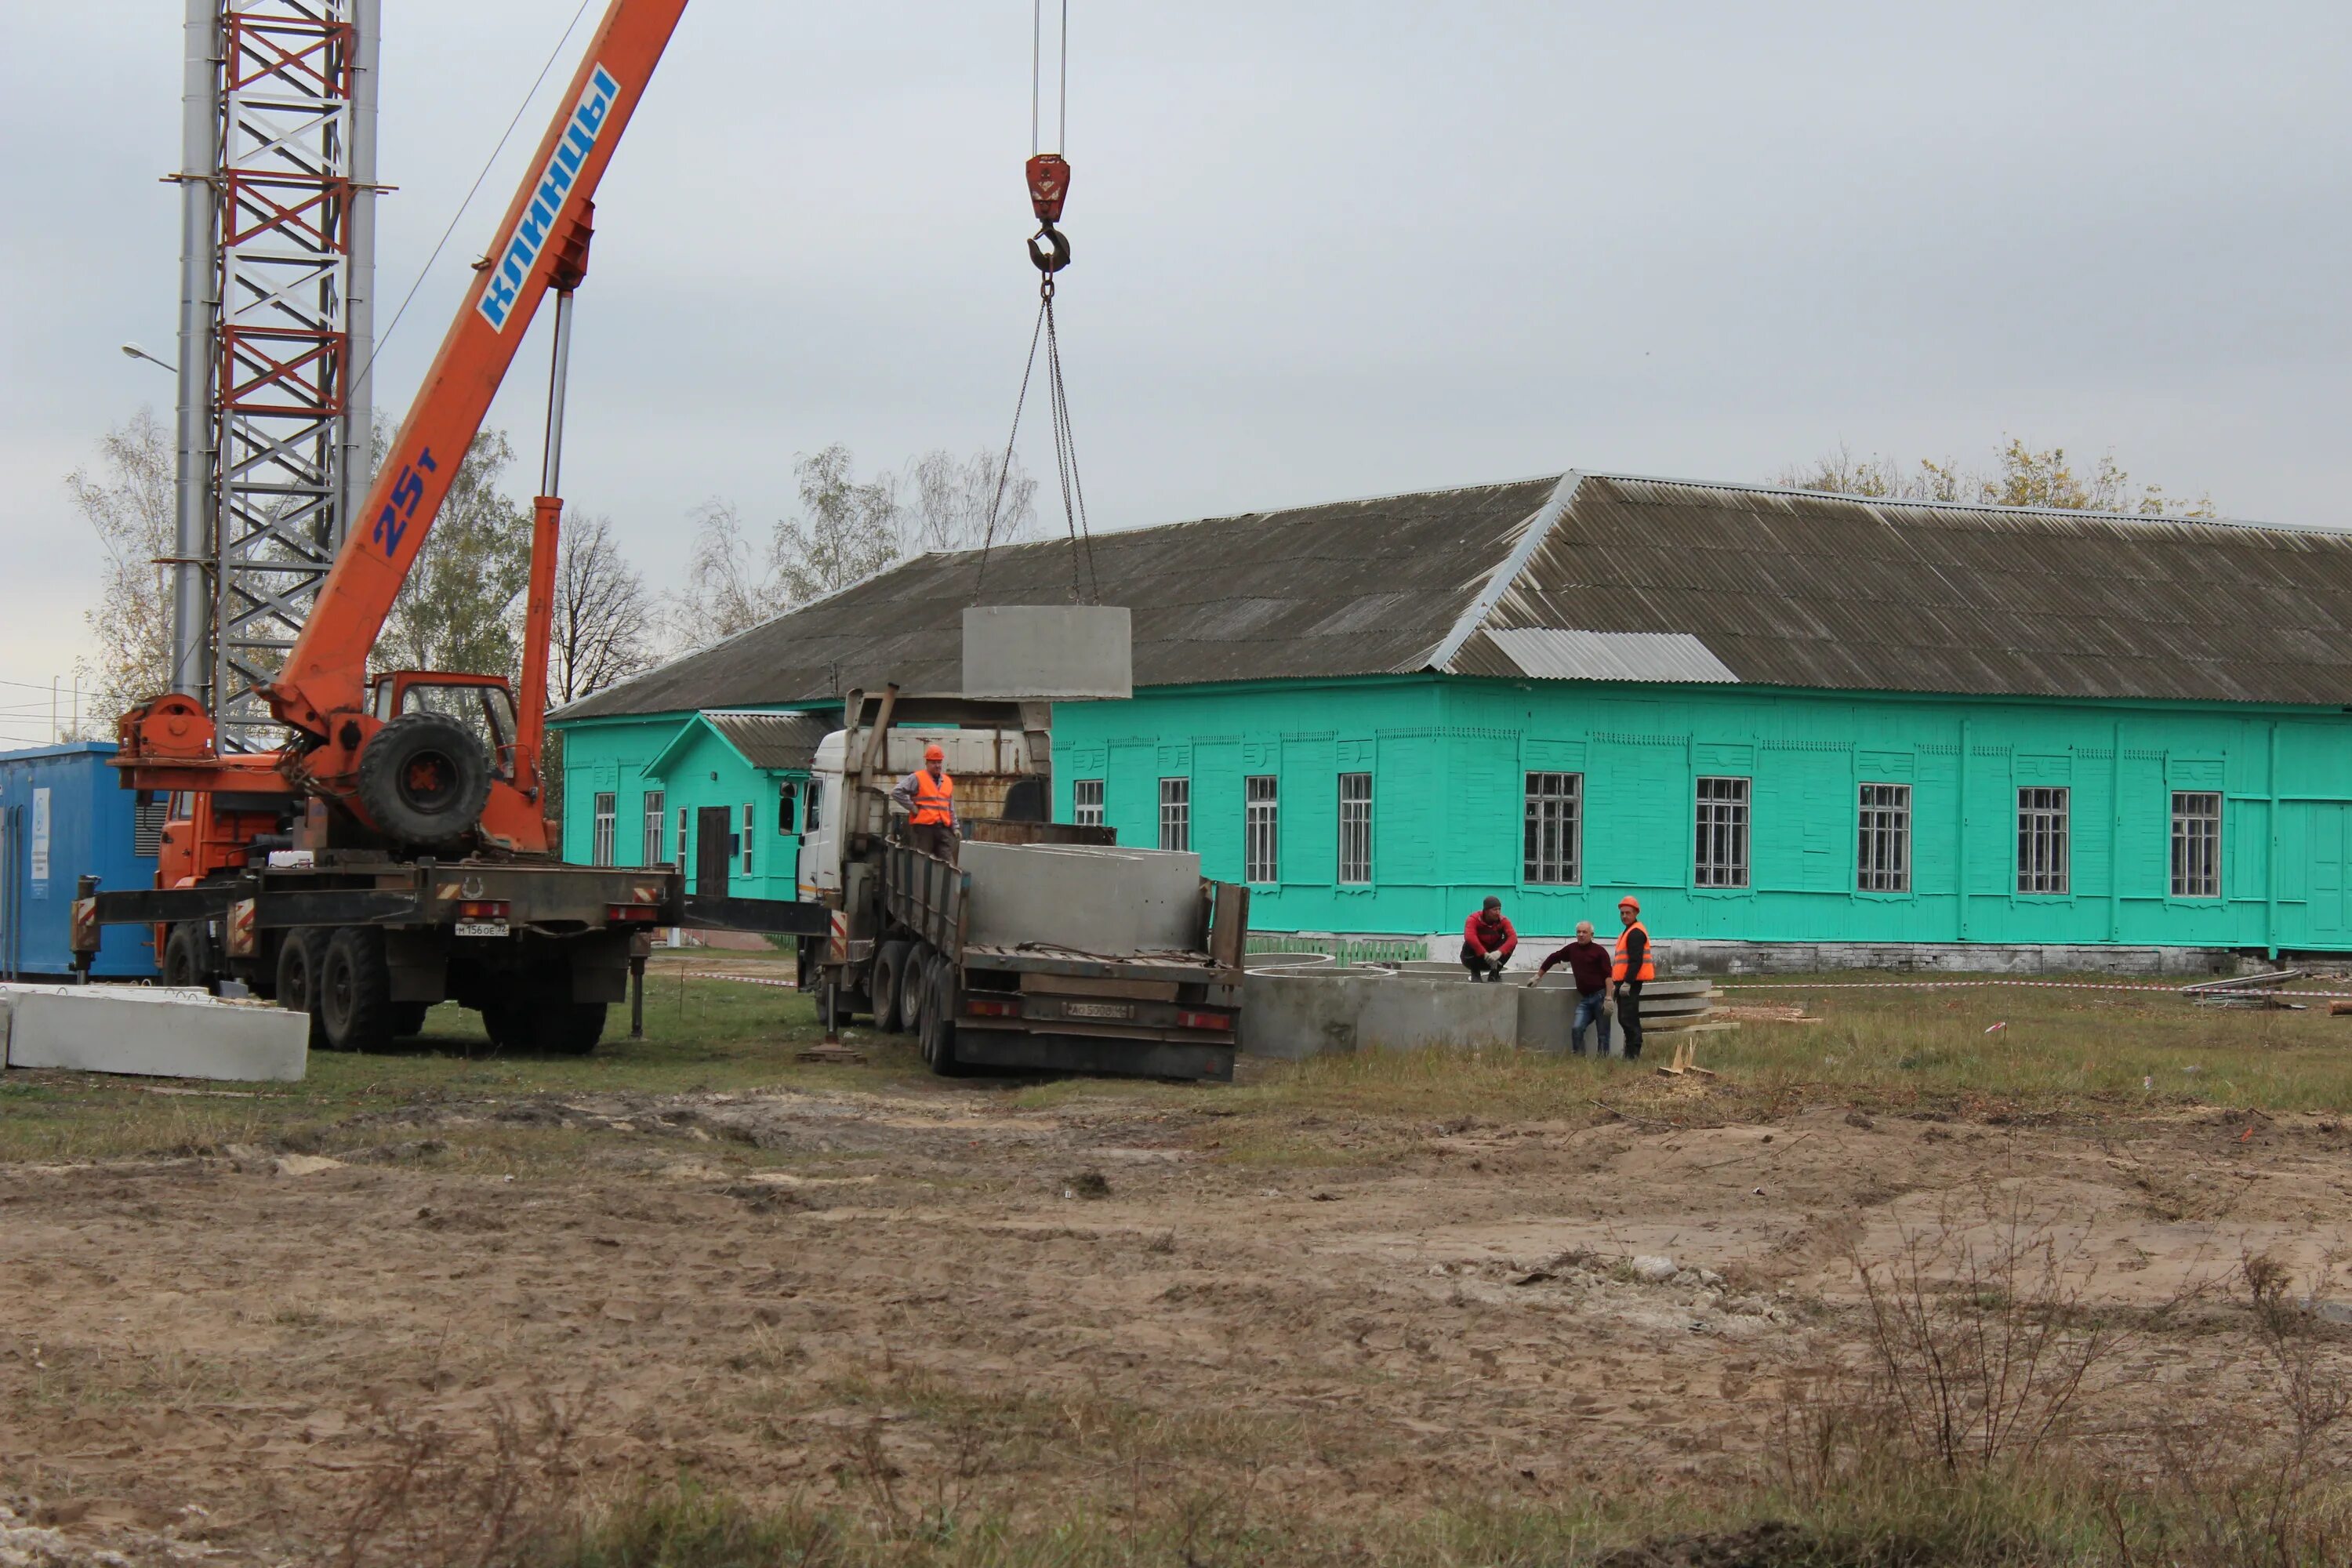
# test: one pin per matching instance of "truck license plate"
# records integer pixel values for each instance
(1099, 1010)
(481, 928)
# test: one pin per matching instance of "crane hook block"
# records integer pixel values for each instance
(1049, 186)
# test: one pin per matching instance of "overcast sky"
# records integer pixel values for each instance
(1323, 250)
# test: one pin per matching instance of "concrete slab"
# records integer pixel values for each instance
(1111, 902)
(1066, 652)
(151, 1032)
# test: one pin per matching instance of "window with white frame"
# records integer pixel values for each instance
(1175, 814)
(750, 830)
(2042, 840)
(681, 840)
(600, 851)
(1086, 802)
(1555, 834)
(655, 820)
(1720, 858)
(1261, 841)
(1355, 829)
(1881, 861)
(2195, 844)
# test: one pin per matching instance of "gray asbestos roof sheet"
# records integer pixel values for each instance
(1630, 579)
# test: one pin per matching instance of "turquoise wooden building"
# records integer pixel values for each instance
(1778, 718)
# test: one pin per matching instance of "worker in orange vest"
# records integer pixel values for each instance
(1634, 965)
(927, 796)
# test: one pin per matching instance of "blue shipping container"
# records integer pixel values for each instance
(63, 816)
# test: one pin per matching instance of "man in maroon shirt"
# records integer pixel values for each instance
(1590, 963)
(1487, 941)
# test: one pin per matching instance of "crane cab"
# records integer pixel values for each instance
(484, 704)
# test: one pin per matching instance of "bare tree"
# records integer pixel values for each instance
(728, 589)
(602, 632)
(851, 531)
(2020, 475)
(954, 498)
(131, 505)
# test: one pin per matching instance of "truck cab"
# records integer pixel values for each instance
(995, 779)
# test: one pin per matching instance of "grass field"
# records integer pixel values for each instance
(690, 1303)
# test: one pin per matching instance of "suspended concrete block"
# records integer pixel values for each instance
(1034, 652)
(151, 1032)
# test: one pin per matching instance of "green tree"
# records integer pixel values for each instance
(131, 506)
(2020, 475)
(461, 608)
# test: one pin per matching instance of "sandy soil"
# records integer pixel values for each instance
(933, 1296)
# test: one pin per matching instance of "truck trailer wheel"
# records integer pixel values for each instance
(354, 997)
(424, 779)
(915, 987)
(889, 977)
(187, 956)
(299, 958)
(938, 1020)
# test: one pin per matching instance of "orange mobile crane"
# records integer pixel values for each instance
(394, 852)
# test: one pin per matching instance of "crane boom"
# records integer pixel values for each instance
(325, 673)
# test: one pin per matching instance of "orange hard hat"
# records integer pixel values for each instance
(1630, 900)
(935, 753)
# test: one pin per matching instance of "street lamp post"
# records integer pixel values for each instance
(133, 351)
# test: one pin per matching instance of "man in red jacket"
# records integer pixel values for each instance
(1487, 941)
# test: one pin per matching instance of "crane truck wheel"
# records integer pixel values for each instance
(187, 956)
(889, 976)
(424, 779)
(354, 996)
(299, 958)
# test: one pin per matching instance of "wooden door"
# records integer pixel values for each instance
(714, 848)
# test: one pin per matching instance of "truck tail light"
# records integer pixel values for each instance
(642, 913)
(990, 1007)
(483, 910)
(1203, 1021)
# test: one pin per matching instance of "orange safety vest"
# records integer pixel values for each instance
(1649, 954)
(934, 799)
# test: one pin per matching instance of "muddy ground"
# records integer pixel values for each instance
(934, 1298)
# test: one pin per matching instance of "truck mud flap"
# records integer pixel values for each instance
(782, 916)
(1081, 1053)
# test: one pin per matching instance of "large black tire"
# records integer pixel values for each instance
(187, 956)
(545, 1028)
(890, 974)
(915, 987)
(571, 1028)
(938, 1020)
(408, 1019)
(301, 957)
(354, 997)
(424, 779)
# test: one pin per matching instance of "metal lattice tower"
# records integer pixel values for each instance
(275, 331)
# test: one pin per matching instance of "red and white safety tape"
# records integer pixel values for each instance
(746, 979)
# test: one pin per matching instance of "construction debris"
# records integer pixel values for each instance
(1686, 1062)
(2247, 991)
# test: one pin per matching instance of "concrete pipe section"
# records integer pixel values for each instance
(1315, 1008)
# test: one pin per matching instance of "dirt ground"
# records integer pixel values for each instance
(940, 1295)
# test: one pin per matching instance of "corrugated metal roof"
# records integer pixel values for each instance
(1549, 653)
(1777, 587)
(773, 740)
(1351, 588)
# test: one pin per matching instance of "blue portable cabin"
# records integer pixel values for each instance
(63, 816)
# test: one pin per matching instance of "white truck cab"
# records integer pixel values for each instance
(985, 765)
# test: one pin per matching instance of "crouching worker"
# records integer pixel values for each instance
(1590, 963)
(1487, 941)
(927, 796)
